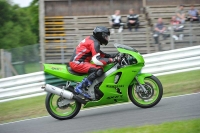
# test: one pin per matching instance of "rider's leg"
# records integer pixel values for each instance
(85, 67)
(93, 74)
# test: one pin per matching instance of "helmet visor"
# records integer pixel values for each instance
(107, 38)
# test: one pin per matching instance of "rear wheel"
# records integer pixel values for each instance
(154, 93)
(61, 108)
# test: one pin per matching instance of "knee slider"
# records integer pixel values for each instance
(92, 70)
(99, 72)
(95, 74)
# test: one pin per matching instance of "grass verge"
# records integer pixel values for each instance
(186, 126)
(22, 109)
(174, 84)
(181, 83)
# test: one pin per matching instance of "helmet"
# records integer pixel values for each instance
(101, 34)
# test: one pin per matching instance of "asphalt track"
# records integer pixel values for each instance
(121, 115)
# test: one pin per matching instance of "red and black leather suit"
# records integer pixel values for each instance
(87, 50)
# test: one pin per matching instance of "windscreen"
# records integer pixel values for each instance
(125, 47)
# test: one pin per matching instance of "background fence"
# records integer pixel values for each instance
(20, 60)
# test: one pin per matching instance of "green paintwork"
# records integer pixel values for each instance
(111, 92)
(107, 67)
(62, 72)
(110, 96)
(142, 76)
(153, 99)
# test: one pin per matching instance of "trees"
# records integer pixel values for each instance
(34, 14)
(18, 26)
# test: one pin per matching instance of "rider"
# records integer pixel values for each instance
(87, 50)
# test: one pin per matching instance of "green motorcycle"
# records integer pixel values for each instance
(119, 83)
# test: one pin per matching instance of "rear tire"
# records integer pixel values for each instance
(53, 111)
(155, 85)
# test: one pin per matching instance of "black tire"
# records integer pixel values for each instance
(157, 81)
(73, 114)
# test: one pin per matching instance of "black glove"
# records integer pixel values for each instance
(117, 59)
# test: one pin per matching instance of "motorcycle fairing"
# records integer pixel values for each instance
(61, 71)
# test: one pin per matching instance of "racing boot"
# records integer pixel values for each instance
(79, 88)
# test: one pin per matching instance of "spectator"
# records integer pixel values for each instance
(132, 20)
(116, 21)
(193, 14)
(177, 28)
(160, 29)
(181, 14)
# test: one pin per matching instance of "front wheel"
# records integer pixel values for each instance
(61, 108)
(154, 93)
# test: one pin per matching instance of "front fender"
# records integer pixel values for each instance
(141, 77)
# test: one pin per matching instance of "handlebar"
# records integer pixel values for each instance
(124, 60)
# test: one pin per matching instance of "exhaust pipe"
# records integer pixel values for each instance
(63, 93)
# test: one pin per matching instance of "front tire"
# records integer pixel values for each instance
(155, 92)
(61, 113)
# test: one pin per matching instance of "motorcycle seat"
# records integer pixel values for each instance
(75, 73)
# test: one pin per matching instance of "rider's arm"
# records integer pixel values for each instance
(96, 55)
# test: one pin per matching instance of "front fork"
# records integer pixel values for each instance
(142, 86)
(140, 80)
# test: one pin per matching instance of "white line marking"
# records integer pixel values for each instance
(97, 108)
(24, 120)
(181, 95)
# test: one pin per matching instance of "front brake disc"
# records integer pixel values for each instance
(150, 92)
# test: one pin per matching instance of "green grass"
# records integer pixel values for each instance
(22, 109)
(174, 84)
(186, 126)
(181, 83)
